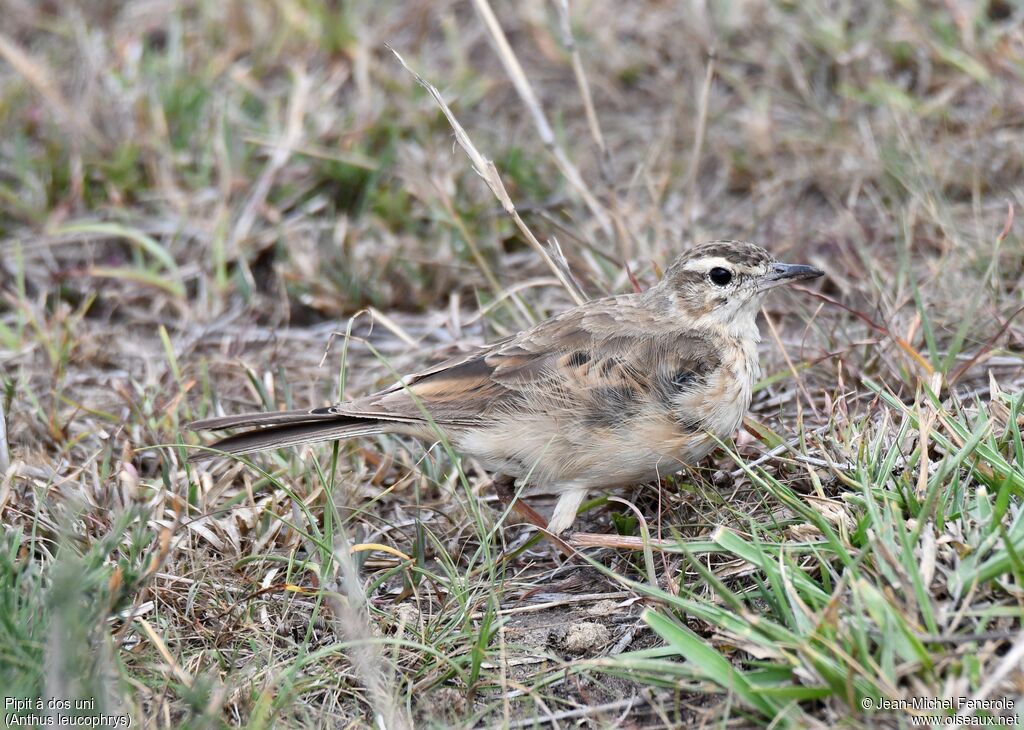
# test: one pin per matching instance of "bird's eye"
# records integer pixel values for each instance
(720, 276)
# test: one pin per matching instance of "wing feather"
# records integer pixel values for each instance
(606, 352)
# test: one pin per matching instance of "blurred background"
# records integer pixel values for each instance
(278, 149)
(195, 195)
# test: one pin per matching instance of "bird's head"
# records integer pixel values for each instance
(721, 284)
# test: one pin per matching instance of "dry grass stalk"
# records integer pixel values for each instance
(698, 139)
(500, 293)
(593, 124)
(486, 169)
(5, 452)
(290, 139)
(352, 622)
(627, 242)
(619, 542)
(522, 85)
(42, 80)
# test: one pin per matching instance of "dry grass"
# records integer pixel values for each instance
(218, 206)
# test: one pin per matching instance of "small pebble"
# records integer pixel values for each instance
(585, 636)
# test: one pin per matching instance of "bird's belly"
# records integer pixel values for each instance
(542, 451)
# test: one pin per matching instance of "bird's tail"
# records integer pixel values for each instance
(283, 428)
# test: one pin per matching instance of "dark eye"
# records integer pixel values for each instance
(720, 276)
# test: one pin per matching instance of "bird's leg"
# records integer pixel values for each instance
(504, 486)
(566, 507)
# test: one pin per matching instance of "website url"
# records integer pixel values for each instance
(964, 721)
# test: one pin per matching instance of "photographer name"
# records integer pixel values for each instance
(944, 703)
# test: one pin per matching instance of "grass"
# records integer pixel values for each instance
(220, 206)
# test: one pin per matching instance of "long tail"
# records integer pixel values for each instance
(284, 428)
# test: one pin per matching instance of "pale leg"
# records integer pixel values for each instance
(566, 507)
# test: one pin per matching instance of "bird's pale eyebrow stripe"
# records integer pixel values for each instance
(707, 263)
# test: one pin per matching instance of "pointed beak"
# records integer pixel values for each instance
(788, 273)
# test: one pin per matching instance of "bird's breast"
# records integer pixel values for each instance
(716, 405)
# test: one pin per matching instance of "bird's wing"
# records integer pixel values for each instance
(598, 361)
(595, 366)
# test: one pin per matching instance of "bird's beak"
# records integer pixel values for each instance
(787, 273)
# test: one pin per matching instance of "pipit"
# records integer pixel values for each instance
(617, 391)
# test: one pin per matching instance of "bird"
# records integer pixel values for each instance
(616, 391)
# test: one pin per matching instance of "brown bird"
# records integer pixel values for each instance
(616, 391)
